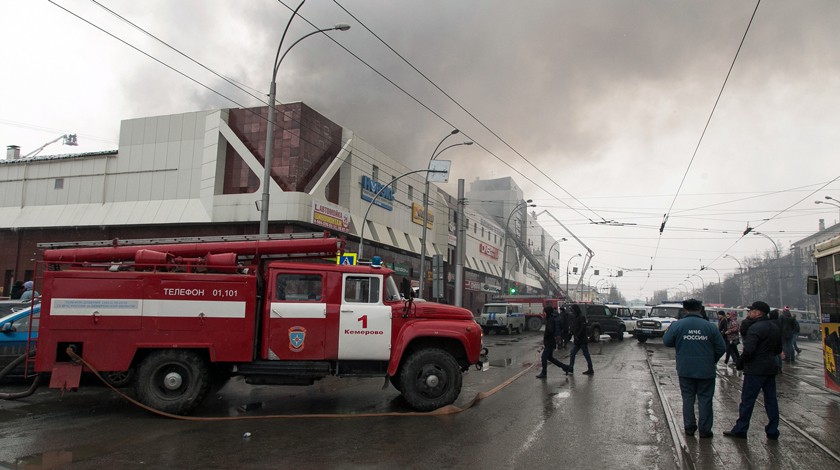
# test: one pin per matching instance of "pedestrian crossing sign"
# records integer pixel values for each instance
(347, 259)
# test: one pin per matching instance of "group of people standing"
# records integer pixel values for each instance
(699, 345)
(560, 327)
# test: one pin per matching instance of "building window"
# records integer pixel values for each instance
(59, 183)
(410, 192)
(375, 173)
(394, 185)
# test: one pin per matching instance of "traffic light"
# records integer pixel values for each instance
(512, 290)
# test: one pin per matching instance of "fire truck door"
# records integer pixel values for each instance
(297, 317)
(364, 320)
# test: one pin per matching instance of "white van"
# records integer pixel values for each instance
(502, 317)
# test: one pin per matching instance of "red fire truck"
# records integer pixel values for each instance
(533, 306)
(182, 316)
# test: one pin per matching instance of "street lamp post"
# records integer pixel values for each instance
(720, 287)
(504, 242)
(835, 204)
(740, 277)
(702, 286)
(426, 210)
(598, 288)
(548, 260)
(778, 263)
(693, 289)
(685, 287)
(568, 263)
(269, 135)
(373, 199)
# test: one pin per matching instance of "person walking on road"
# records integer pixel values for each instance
(796, 332)
(698, 345)
(732, 337)
(758, 361)
(775, 317)
(579, 333)
(552, 326)
(563, 332)
(788, 326)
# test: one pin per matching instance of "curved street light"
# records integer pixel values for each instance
(685, 288)
(504, 242)
(829, 203)
(568, 263)
(740, 277)
(720, 286)
(272, 111)
(426, 209)
(693, 289)
(373, 199)
(548, 260)
(702, 286)
(778, 263)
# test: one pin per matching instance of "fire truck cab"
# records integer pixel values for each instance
(180, 318)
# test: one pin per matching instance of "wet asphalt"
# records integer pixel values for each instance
(612, 419)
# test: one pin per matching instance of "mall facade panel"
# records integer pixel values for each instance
(200, 174)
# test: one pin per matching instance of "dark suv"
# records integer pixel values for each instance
(600, 320)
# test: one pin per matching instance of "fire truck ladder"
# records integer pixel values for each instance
(548, 282)
(175, 240)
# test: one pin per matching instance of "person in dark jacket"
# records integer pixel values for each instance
(579, 333)
(788, 325)
(563, 332)
(552, 325)
(699, 345)
(758, 361)
(775, 318)
(730, 335)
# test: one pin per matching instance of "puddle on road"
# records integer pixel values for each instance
(51, 459)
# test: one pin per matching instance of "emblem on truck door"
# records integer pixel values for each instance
(297, 335)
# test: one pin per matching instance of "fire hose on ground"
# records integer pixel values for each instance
(446, 410)
(9, 368)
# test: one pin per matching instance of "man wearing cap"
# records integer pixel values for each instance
(699, 345)
(758, 361)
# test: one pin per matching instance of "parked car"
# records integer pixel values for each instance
(601, 320)
(15, 333)
(626, 315)
(502, 317)
(655, 325)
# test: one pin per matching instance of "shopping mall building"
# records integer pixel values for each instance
(200, 174)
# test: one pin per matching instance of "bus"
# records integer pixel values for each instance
(826, 284)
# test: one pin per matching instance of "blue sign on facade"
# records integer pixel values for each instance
(371, 187)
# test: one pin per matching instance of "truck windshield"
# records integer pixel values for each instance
(392, 292)
(495, 308)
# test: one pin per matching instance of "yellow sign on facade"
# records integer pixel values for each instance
(417, 215)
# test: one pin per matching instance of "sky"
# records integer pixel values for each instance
(720, 113)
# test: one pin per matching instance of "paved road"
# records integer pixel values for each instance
(614, 419)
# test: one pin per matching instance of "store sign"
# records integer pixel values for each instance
(371, 187)
(330, 216)
(488, 250)
(490, 288)
(417, 216)
(472, 285)
(400, 269)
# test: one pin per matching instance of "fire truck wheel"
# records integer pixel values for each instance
(430, 379)
(534, 324)
(173, 381)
